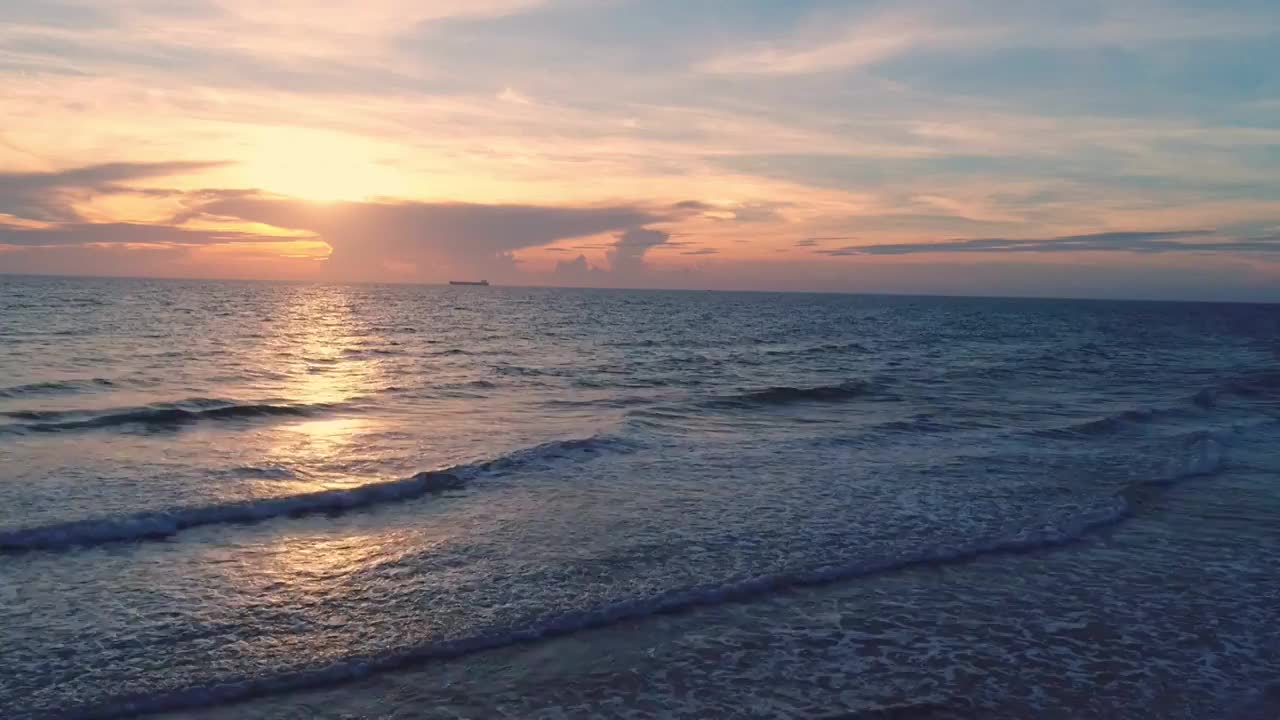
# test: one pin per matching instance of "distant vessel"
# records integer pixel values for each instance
(469, 282)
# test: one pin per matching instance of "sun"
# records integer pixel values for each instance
(319, 166)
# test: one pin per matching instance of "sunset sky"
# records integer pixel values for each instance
(1116, 149)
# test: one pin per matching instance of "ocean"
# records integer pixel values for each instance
(250, 499)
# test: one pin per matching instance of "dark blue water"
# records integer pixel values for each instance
(212, 491)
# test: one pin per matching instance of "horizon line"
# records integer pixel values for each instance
(499, 286)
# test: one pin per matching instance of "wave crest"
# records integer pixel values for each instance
(784, 395)
(55, 387)
(164, 523)
(1261, 383)
(827, 348)
(155, 417)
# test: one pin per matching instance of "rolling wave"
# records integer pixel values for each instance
(164, 523)
(50, 388)
(1108, 424)
(157, 416)
(1256, 385)
(1260, 383)
(1194, 406)
(784, 395)
(832, 348)
(1205, 457)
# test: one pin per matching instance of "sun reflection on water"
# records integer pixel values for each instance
(320, 348)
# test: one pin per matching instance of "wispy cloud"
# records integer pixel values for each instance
(864, 43)
(816, 241)
(1169, 241)
(840, 41)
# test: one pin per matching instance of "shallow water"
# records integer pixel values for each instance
(216, 490)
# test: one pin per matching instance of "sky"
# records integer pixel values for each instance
(1126, 148)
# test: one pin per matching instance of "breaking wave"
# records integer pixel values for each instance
(157, 416)
(164, 523)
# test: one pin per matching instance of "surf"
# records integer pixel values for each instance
(1204, 456)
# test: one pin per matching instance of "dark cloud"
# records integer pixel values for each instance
(457, 237)
(693, 205)
(701, 251)
(579, 272)
(746, 213)
(49, 196)
(368, 238)
(120, 233)
(627, 255)
(811, 241)
(97, 175)
(1135, 242)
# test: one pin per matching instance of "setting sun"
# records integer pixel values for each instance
(319, 166)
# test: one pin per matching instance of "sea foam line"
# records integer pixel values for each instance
(1206, 456)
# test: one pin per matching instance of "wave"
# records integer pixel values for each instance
(847, 347)
(1255, 384)
(1205, 457)
(369, 352)
(619, 403)
(1108, 424)
(784, 395)
(919, 709)
(165, 523)
(925, 424)
(157, 416)
(1191, 407)
(49, 388)
(269, 471)
(522, 371)
(161, 524)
